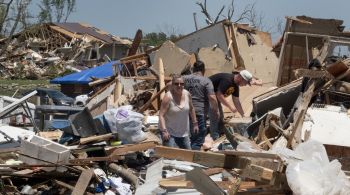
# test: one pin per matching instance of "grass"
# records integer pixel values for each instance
(17, 87)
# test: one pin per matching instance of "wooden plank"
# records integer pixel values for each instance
(147, 78)
(209, 171)
(208, 159)
(136, 42)
(203, 183)
(117, 90)
(83, 182)
(161, 77)
(205, 158)
(185, 184)
(258, 173)
(8, 150)
(251, 154)
(144, 107)
(299, 115)
(129, 148)
(301, 72)
(101, 94)
(96, 159)
(229, 39)
(70, 187)
(264, 192)
(51, 135)
(96, 138)
(234, 182)
(279, 68)
(63, 184)
(100, 81)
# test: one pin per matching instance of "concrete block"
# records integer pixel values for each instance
(44, 151)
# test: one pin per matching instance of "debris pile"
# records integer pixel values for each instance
(294, 141)
(48, 50)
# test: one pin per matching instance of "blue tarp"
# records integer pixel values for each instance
(84, 77)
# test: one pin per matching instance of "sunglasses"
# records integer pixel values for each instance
(179, 84)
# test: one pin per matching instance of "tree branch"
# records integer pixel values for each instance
(5, 15)
(217, 17)
(205, 12)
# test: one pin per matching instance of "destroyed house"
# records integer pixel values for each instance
(305, 39)
(223, 47)
(227, 46)
(86, 43)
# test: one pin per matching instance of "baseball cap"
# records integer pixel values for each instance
(246, 75)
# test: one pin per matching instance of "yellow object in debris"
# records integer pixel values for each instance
(116, 143)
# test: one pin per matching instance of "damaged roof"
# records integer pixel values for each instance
(85, 29)
(309, 25)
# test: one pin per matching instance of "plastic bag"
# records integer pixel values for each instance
(314, 174)
(125, 122)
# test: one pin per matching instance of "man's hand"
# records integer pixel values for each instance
(257, 82)
(165, 135)
(233, 110)
(216, 113)
(195, 128)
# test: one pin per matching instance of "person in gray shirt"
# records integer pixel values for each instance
(202, 91)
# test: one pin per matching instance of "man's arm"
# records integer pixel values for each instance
(214, 105)
(238, 105)
(256, 81)
(193, 115)
(223, 100)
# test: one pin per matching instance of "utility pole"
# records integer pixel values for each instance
(195, 20)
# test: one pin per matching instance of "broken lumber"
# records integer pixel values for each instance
(117, 90)
(234, 182)
(161, 77)
(208, 159)
(144, 107)
(185, 184)
(83, 182)
(203, 183)
(129, 148)
(67, 186)
(258, 173)
(96, 138)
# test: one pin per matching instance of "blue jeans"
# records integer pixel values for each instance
(180, 142)
(216, 124)
(197, 139)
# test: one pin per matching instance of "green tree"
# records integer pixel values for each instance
(55, 10)
(154, 39)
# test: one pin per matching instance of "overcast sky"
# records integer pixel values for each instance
(124, 17)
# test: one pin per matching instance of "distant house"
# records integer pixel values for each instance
(92, 42)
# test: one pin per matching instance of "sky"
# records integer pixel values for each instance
(123, 17)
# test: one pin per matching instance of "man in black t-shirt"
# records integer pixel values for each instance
(226, 84)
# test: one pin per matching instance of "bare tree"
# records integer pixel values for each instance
(248, 14)
(55, 10)
(15, 17)
(20, 6)
(5, 8)
(208, 19)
